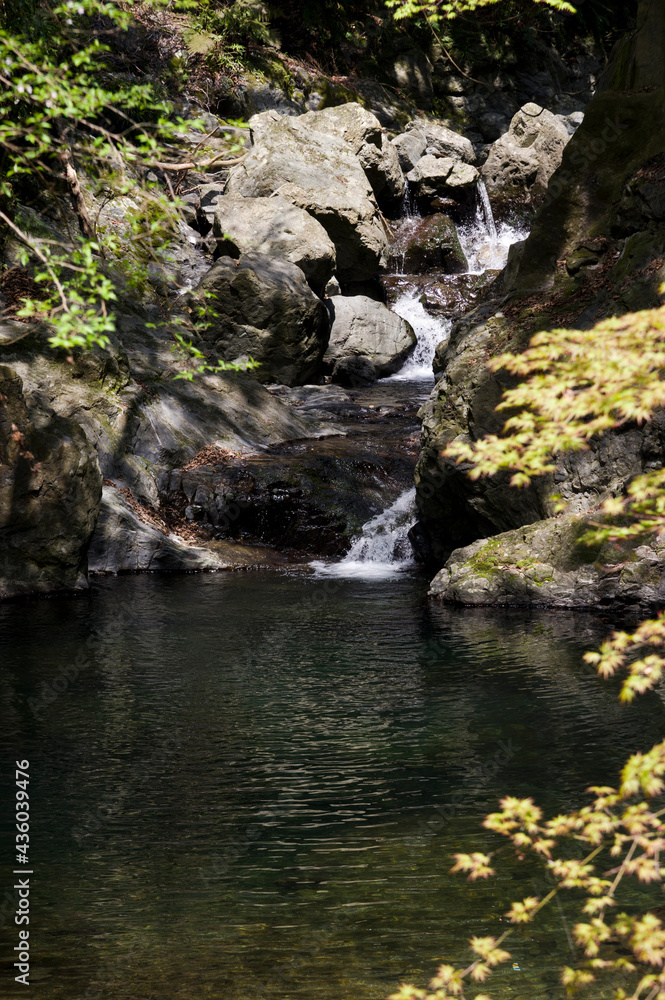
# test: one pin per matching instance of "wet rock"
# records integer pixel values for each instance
(434, 246)
(264, 309)
(436, 177)
(320, 173)
(275, 227)
(547, 563)
(124, 543)
(521, 162)
(363, 327)
(442, 141)
(50, 488)
(354, 371)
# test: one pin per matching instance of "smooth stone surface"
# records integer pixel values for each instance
(363, 132)
(410, 148)
(521, 162)
(443, 140)
(274, 226)
(361, 326)
(123, 542)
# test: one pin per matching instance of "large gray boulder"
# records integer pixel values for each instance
(442, 141)
(410, 147)
(263, 308)
(274, 226)
(50, 488)
(442, 177)
(320, 173)
(521, 162)
(547, 563)
(363, 132)
(364, 328)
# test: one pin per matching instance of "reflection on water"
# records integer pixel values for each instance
(250, 785)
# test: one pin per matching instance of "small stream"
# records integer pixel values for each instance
(382, 549)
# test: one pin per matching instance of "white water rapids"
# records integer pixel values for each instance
(382, 549)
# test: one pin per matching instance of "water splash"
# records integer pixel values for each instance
(486, 207)
(429, 330)
(382, 549)
(486, 246)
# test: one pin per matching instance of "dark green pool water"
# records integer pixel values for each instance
(250, 786)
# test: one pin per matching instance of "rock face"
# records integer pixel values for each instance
(363, 328)
(264, 309)
(442, 177)
(596, 249)
(521, 162)
(124, 543)
(435, 246)
(319, 173)
(363, 132)
(547, 563)
(275, 227)
(50, 488)
(410, 148)
(442, 141)
(455, 510)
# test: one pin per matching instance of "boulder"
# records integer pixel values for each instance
(521, 162)
(208, 196)
(354, 371)
(124, 542)
(363, 132)
(410, 148)
(437, 177)
(443, 141)
(50, 488)
(275, 227)
(434, 246)
(547, 563)
(320, 173)
(263, 308)
(360, 326)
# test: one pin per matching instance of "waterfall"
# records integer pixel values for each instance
(382, 548)
(429, 332)
(486, 208)
(409, 206)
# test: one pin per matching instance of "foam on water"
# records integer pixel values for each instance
(429, 331)
(382, 549)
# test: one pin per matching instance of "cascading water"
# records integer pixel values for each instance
(486, 206)
(382, 549)
(429, 331)
(485, 244)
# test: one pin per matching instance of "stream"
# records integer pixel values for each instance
(248, 786)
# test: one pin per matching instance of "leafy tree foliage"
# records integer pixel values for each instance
(64, 113)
